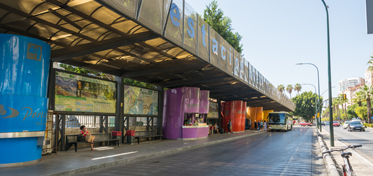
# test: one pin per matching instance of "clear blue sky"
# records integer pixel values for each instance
(279, 33)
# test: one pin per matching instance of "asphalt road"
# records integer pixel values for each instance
(269, 153)
(355, 138)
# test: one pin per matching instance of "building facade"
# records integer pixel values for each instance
(368, 77)
(350, 82)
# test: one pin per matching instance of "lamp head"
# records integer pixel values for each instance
(299, 64)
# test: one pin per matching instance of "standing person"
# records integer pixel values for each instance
(265, 125)
(229, 126)
(87, 135)
(255, 125)
(258, 125)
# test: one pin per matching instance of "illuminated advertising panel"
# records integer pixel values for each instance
(140, 101)
(84, 94)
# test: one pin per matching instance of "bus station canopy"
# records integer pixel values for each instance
(162, 42)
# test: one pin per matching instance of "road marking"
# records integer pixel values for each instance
(103, 148)
(111, 156)
(356, 151)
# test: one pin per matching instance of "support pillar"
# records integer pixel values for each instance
(160, 110)
(119, 107)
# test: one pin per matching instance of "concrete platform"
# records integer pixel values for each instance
(71, 162)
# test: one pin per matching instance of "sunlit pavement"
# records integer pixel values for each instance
(355, 138)
(361, 159)
(269, 153)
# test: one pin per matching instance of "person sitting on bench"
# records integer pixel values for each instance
(88, 137)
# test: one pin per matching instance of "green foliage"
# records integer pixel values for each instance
(368, 125)
(214, 16)
(305, 104)
(281, 87)
(351, 111)
(361, 112)
(298, 87)
(289, 88)
(138, 83)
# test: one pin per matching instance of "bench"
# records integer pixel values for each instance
(77, 139)
(145, 134)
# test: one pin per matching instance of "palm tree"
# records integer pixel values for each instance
(289, 88)
(298, 87)
(367, 92)
(358, 98)
(281, 88)
(345, 105)
(370, 63)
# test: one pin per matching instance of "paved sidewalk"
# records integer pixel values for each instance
(359, 163)
(71, 162)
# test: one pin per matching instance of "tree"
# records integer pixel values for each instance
(214, 16)
(305, 104)
(370, 63)
(344, 101)
(358, 98)
(367, 92)
(289, 88)
(351, 111)
(361, 112)
(281, 88)
(298, 88)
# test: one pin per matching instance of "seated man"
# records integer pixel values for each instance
(216, 128)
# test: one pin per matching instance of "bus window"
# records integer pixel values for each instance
(276, 118)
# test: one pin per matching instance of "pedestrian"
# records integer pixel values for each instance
(255, 125)
(229, 126)
(87, 135)
(265, 125)
(258, 125)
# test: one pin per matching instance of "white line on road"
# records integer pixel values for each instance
(367, 162)
(111, 156)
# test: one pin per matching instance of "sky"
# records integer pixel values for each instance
(277, 34)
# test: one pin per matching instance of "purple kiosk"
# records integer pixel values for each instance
(184, 114)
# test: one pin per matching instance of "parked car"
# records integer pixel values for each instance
(336, 123)
(355, 126)
(305, 124)
(345, 125)
(327, 123)
(323, 123)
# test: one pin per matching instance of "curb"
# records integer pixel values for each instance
(328, 161)
(125, 161)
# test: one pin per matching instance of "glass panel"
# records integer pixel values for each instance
(276, 118)
(203, 41)
(214, 49)
(242, 69)
(229, 59)
(127, 8)
(223, 54)
(190, 29)
(174, 28)
(246, 71)
(165, 10)
(236, 64)
(151, 15)
(249, 69)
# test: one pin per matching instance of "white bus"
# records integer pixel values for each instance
(280, 121)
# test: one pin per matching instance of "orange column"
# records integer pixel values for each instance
(227, 116)
(265, 114)
(235, 115)
(243, 114)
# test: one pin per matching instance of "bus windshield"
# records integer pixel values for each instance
(276, 118)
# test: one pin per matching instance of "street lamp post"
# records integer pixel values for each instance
(318, 83)
(315, 99)
(329, 78)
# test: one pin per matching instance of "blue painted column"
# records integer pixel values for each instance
(24, 71)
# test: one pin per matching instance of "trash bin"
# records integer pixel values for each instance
(130, 136)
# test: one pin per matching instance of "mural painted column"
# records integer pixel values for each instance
(24, 71)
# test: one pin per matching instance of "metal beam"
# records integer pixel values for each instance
(190, 81)
(65, 19)
(159, 70)
(81, 50)
(235, 93)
